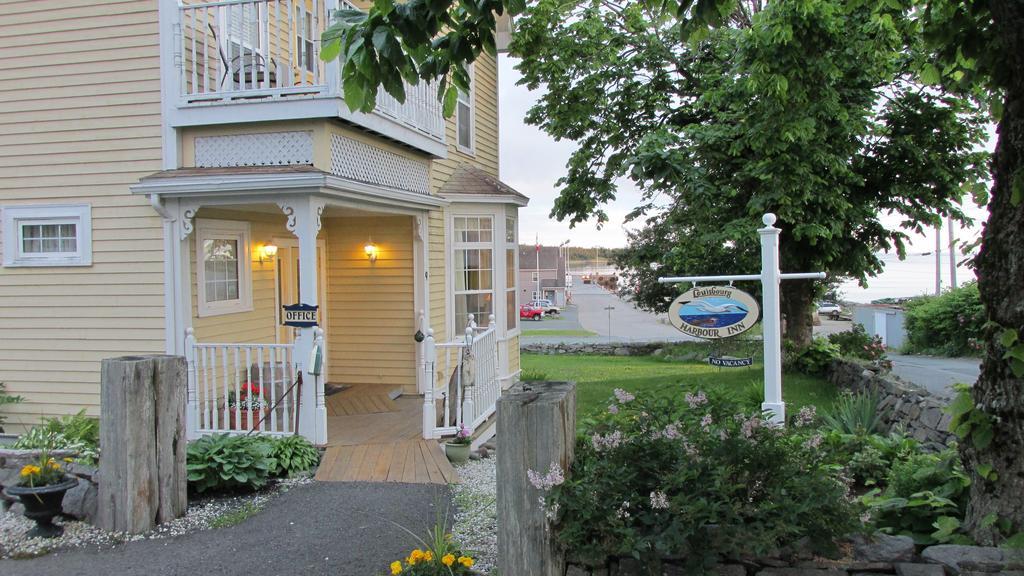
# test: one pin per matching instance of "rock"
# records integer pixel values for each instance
(658, 352)
(801, 572)
(629, 567)
(81, 501)
(621, 352)
(954, 557)
(883, 548)
(730, 570)
(575, 570)
(908, 569)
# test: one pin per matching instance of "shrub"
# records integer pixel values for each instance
(5, 399)
(225, 462)
(79, 433)
(949, 324)
(291, 455)
(855, 414)
(814, 358)
(659, 477)
(533, 376)
(857, 343)
(925, 499)
(867, 459)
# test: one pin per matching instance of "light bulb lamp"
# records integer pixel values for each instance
(371, 251)
(267, 252)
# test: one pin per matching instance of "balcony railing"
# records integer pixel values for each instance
(251, 50)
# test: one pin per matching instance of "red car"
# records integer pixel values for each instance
(531, 312)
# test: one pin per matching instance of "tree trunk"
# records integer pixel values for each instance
(998, 393)
(797, 298)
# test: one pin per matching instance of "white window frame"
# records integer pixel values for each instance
(15, 217)
(511, 247)
(467, 99)
(306, 61)
(458, 245)
(224, 230)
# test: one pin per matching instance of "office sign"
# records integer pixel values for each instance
(300, 315)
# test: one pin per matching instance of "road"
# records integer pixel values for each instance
(936, 374)
(628, 323)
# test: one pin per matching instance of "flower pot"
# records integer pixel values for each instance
(456, 453)
(42, 503)
(247, 419)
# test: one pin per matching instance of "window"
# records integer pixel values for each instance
(534, 276)
(464, 118)
(54, 235)
(304, 38)
(511, 273)
(223, 267)
(473, 269)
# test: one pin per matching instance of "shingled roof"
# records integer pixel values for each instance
(470, 180)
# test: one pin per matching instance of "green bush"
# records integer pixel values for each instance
(78, 432)
(949, 324)
(661, 476)
(813, 359)
(867, 459)
(291, 455)
(6, 398)
(855, 414)
(925, 499)
(225, 462)
(857, 343)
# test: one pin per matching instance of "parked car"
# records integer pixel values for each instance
(529, 312)
(547, 305)
(830, 309)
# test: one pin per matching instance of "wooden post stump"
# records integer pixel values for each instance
(142, 477)
(536, 428)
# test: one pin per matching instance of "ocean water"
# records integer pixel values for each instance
(713, 320)
(902, 279)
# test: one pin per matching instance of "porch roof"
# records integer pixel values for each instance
(270, 183)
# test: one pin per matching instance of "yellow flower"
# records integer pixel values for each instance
(69, 460)
(415, 556)
(428, 556)
(466, 561)
(396, 567)
(30, 469)
(448, 559)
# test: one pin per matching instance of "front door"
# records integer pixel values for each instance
(288, 267)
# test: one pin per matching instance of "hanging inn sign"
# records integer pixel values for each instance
(717, 311)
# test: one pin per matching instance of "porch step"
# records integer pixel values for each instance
(409, 461)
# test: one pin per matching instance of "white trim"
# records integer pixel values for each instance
(520, 201)
(471, 105)
(241, 232)
(14, 217)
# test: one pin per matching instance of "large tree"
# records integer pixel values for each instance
(979, 45)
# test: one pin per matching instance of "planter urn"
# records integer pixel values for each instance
(456, 453)
(42, 503)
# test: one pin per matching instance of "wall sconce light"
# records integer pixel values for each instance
(267, 252)
(371, 251)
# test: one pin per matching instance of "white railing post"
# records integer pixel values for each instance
(468, 388)
(430, 373)
(321, 397)
(772, 330)
(192, 406)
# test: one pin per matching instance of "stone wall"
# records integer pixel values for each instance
(902, 404)
(605, 349)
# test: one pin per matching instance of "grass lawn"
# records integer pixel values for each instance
(597, 376)
(558, 333)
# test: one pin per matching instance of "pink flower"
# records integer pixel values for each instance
(806, 415)
(813, 441)
(659, 501)
(623, 397)
(696, 400)
(554, 477)
(749, 426)
(671, 432)
(613, 409)
(606, 442)
(706, 422)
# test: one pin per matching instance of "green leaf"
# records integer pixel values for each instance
(1015, 542)
(451, 98)
(330, 50)
(516, 7)
(930, 74)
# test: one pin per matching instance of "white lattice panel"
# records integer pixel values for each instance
(266, 149)
(359, 161)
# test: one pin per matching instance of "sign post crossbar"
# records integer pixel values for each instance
(770, 278)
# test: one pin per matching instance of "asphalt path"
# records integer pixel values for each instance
(627, 322)
(935, 373)
(325, 528)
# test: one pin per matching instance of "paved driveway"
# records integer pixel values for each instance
(935, 373)
(325, 528)
(628, 323)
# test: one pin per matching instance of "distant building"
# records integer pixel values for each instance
(542, 274)
(884, 321)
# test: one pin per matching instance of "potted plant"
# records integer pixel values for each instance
(41, 487)
(457, 449)
(248, 405)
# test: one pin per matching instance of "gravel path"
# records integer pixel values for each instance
(476, 523)
(320, 528)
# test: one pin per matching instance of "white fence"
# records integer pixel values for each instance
(246, 50)
(237, 388)
(468, 391)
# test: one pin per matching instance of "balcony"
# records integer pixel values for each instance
(259, 60)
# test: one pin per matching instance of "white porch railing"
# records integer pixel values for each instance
(247, 50)
(237, 388)
(469, 389)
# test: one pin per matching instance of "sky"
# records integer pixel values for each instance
(531, 162)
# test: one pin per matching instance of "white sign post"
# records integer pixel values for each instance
(770, 278)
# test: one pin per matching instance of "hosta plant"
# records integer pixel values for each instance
(292, 455)
(225, 462)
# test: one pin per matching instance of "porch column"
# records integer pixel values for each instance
(304, 221)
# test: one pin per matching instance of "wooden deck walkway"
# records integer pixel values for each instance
(371, 438)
